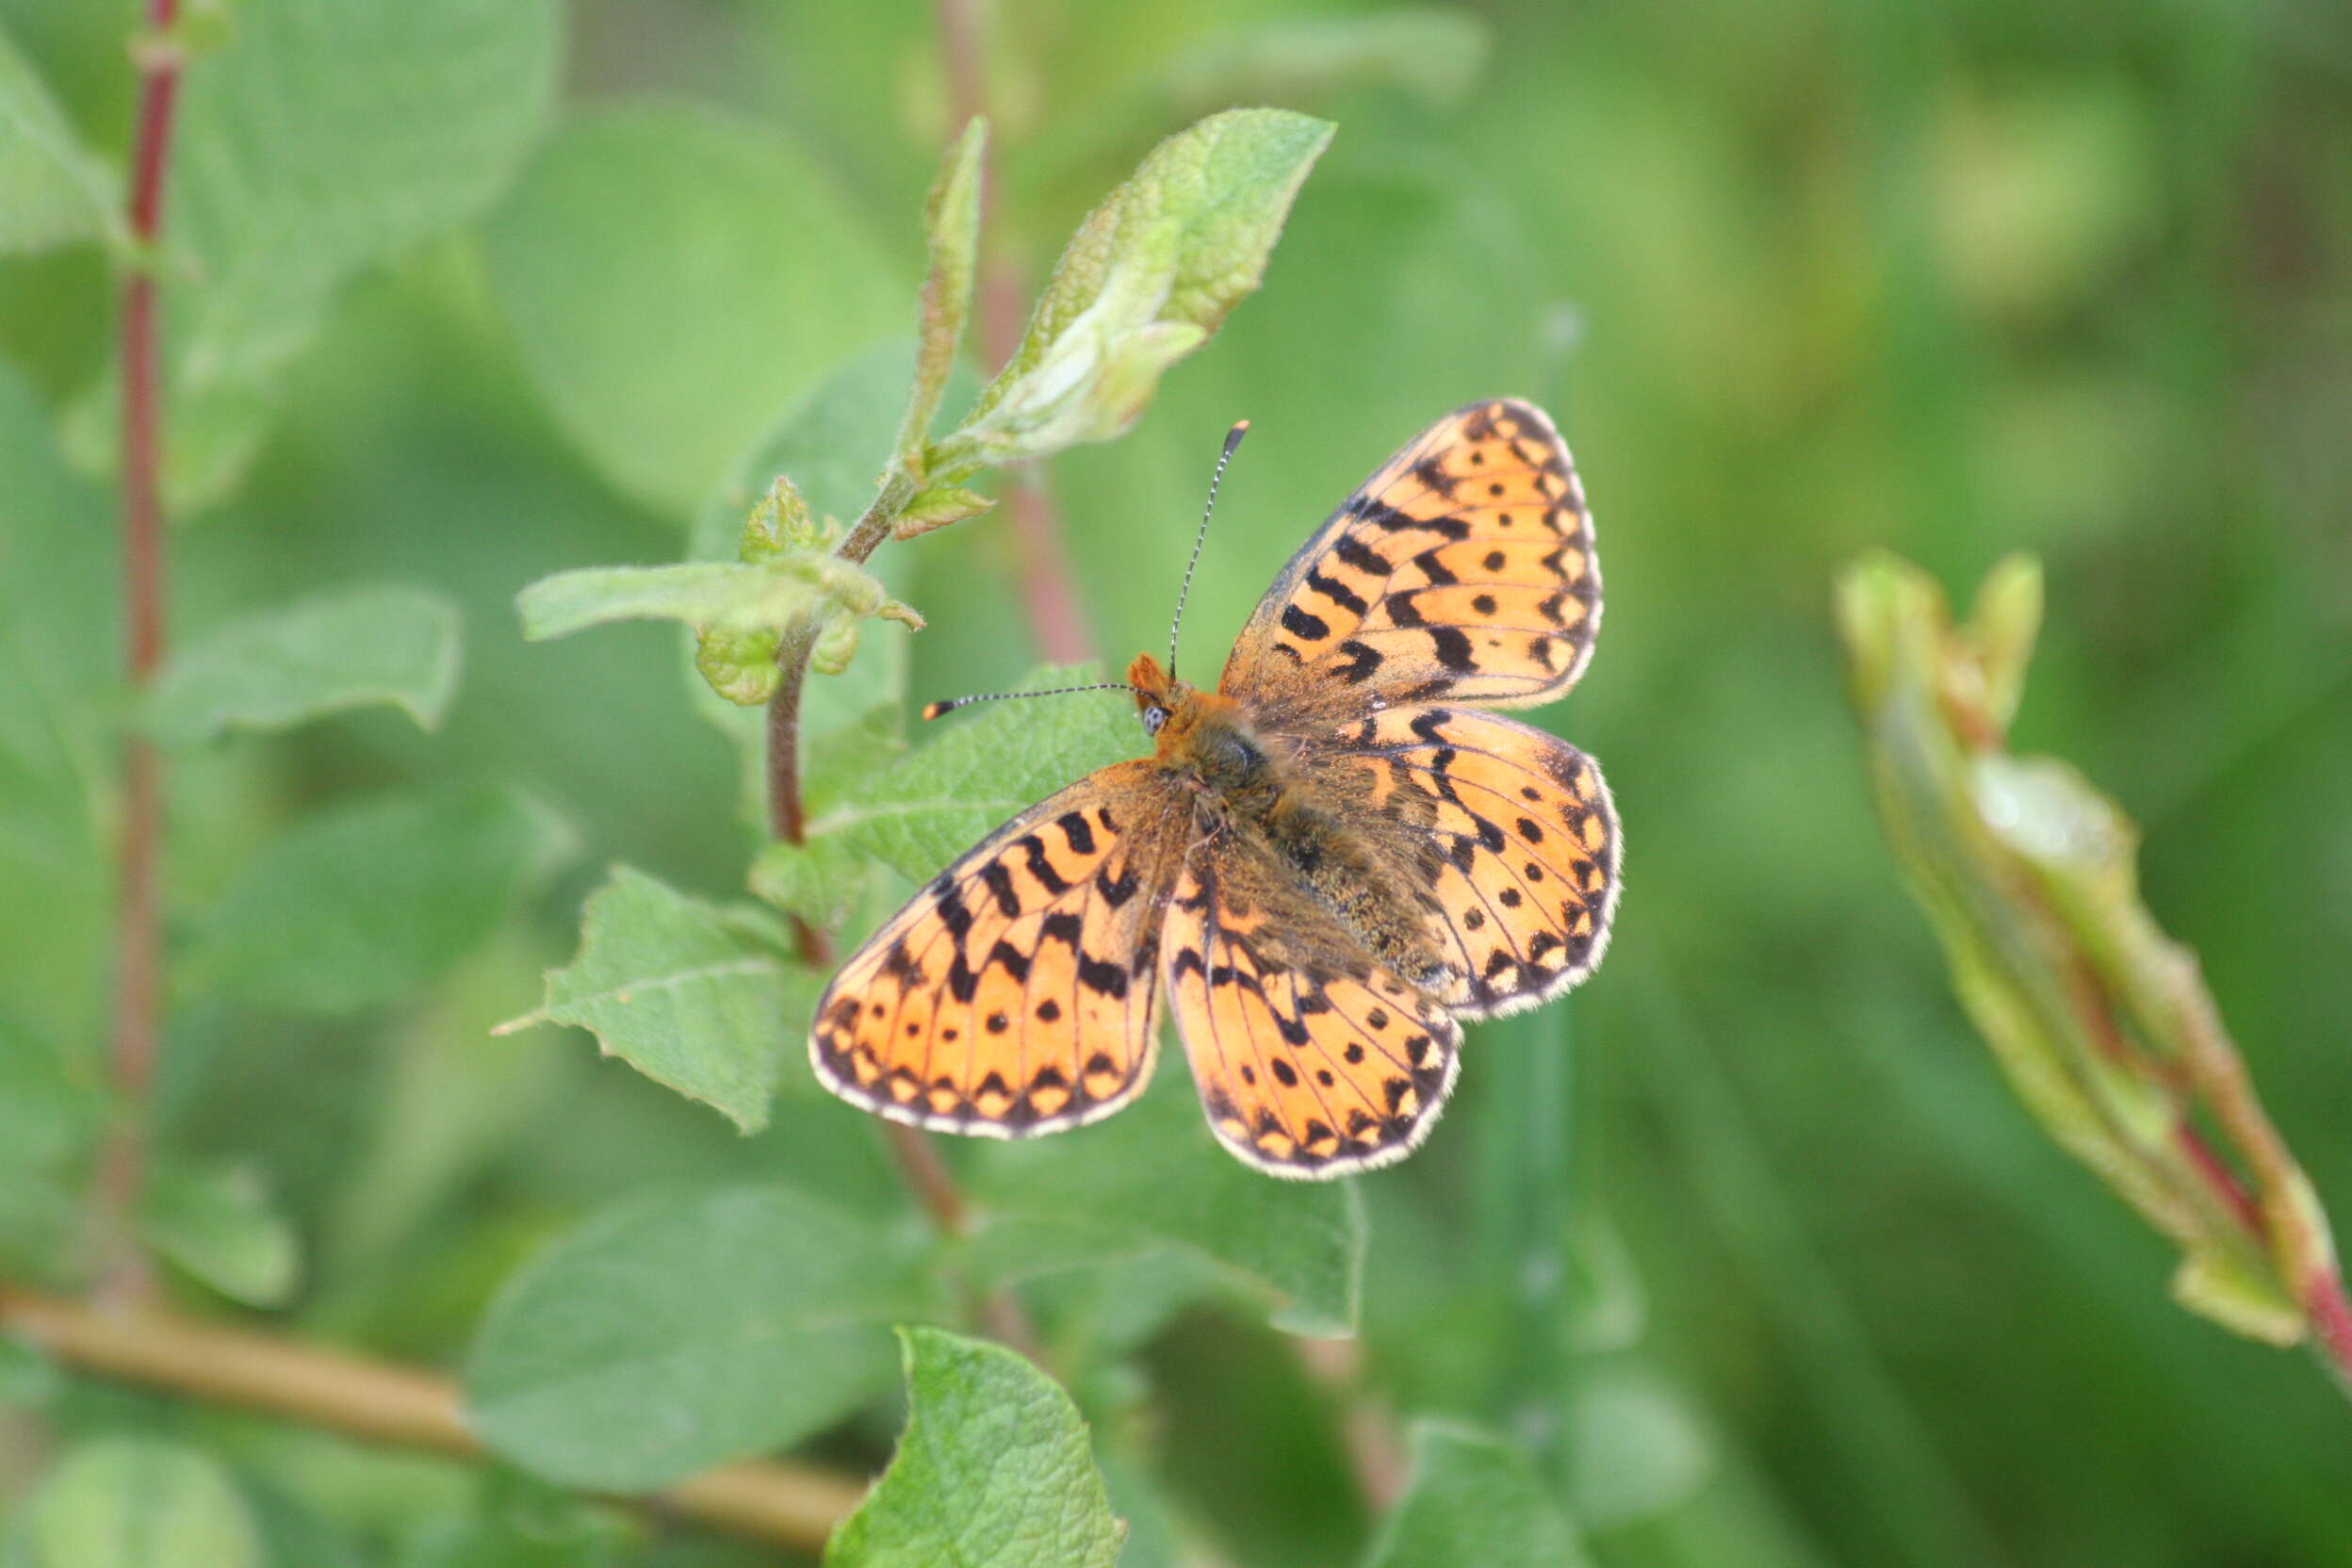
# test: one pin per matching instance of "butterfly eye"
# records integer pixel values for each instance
(1152, 718)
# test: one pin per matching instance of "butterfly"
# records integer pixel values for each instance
(1328, 863)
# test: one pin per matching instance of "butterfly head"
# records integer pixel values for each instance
(1158, 695)
(1201, 733)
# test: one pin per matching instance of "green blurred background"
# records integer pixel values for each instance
(1796, 278)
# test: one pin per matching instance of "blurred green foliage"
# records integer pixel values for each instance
(1745, 1250)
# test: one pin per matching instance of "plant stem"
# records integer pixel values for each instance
(139, 921)
(794, 1505)
(1041, 561)
(787, 818)
(926, 1173)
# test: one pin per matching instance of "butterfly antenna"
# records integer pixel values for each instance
(935, 709)
(1232, 439)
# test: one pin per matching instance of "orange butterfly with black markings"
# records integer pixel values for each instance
(1328, 862)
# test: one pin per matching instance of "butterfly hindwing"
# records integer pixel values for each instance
(1310, 1060)
(1509, 830)
(1017, 993)
(1461, 571)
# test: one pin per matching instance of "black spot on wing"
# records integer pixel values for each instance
(1452, 648)
(1103, 977)
(1033, 858)
(1337, 591)
(1362, 661)
(999, 878)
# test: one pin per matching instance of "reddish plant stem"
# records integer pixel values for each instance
(2331, 1326)
(138, 917)
(2224, 1183)
(1040, 558)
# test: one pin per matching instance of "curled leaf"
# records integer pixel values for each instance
(936, 507)
(1150, 273)
(2100, 1021)
(780, 523)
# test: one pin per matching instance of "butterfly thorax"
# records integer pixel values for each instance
(1250, 783)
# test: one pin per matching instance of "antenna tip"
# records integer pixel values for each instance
(933, 710)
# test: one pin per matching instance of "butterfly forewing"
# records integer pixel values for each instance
(1462, 570)
(1017, 992)
(1310, 1060)
(1509, 830)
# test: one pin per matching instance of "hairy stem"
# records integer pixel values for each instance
(138, 921)
(793, 1505)
(926, 1175)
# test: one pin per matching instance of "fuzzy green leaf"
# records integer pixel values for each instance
(1154, 1177)
(368, 903)
(142, 1503)
(937, 800)
(678, 280)
(692, 996)
(53, 192)
(951, 220)
(277, 668)
(994, 1471)
(831, 448)
(1473, 1503)
(1150, 275)
(699, 593)
(669, 1336)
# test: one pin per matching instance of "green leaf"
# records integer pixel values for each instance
(1148, 276)
(1153, 1176)
(685, 993)
(1473, 1503)
(699, 593)
(278, 668)
(936, 507)
(53, 192)
(370, 903)
(678, 280)
(937, 800)
(822, 881)
(322, 139)
(994, 1471)
(218, 1223)
(951, 222)
(661, 1339)
(142, 1503)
